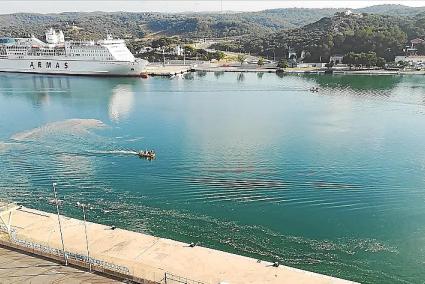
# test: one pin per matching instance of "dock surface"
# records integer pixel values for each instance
(17, 267)
(150, 257)
(155, 69)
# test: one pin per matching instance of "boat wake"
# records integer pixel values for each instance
(116, 152)
(68, 133)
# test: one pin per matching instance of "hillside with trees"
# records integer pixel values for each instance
(384, 35)
(79, 25)
(392, 10)
(269, 33)
(137, 25)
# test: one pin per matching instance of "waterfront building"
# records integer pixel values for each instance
(178, 50)
(412, 48)
(417, 61)
(336, 58)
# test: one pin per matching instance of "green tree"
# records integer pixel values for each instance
(402, 64)
(260, 61)
(380, 62)
(189, 50)
(283, 63)
(421, 49)
(219, 55)
(241, 58)
(165, 41)
(349, 59)
(363, 59)
(307, 55)
(330, 65)
(371, 59)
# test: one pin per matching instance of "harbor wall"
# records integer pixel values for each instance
(139, 257)
(73, 262)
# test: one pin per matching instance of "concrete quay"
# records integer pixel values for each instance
(166, 70)
(243, 69)
(143, 258)
(17, 267)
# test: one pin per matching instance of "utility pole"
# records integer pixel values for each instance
(83, 206)
(163, 56)
(184, 56)
(59, 221)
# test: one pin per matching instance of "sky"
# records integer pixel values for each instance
(54, 6)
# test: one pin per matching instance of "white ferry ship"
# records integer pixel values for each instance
(108, 57)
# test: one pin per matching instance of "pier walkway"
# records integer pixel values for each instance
(145, 257)
(17, 267)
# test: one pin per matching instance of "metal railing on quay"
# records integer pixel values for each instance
(133, 272)
(6, 205)
(140, 273)
(170, 278)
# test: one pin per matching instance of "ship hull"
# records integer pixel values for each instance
(73, 67)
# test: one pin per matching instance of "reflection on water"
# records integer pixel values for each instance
(36, 88)
(201, 73)
(399, 89)
(357, 82)
(121, 102)
(189, 76)
(218, 74)
(250, 163)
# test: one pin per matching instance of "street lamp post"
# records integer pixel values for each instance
(59, 221)
(163, 56)
(184, 57)
(83, 206)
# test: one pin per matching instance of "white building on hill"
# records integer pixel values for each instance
(412, 59)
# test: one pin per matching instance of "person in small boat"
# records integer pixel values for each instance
(146, 153)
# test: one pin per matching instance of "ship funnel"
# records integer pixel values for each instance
(54, 38)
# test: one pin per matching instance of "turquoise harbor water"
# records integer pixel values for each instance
(255, 164)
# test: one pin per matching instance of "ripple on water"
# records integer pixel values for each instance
(252, 240)
(139, 196)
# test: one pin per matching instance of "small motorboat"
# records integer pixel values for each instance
(314, 89)
(146, 154)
